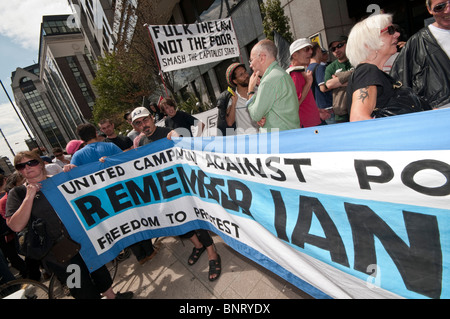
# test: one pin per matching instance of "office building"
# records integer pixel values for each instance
(54, 95)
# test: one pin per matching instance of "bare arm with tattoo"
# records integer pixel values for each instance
(363, 103)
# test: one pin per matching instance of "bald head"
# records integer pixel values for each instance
(268, 47)
(263, 54)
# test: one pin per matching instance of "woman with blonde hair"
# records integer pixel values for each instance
(370, 44)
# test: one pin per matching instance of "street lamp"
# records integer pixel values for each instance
(29, 135)
(7, 143)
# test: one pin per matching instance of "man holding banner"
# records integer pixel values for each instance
(376, 213)
(200, 238)
(94, 151)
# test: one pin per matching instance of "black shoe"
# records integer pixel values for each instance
(124, 295)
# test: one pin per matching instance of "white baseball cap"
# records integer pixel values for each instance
(139, 112)
(298, 45)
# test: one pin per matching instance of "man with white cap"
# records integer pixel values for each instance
(301, 52)
(144, 122)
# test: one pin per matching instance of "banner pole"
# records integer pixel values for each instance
(156, 58)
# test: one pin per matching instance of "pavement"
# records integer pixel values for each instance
(168, 276)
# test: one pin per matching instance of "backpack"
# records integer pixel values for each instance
(222, 105)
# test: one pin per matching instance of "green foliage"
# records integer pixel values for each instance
(274, 19)
(129, 74)
(116, 90)
(191, 105)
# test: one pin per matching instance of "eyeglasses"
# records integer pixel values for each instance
(140, 123)
(440, 7)
(251, 60)
(340, 45)
(390, 29)
(31, 163)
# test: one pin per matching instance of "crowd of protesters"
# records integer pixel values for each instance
(360, 84)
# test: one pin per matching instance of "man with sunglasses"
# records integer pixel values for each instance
(202, 241)
(424, 64)
(60, 158)
(336, 78)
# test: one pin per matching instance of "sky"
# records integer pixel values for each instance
(20, 23)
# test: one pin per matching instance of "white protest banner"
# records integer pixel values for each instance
(354, 210)
(208, 118)
(181, 46)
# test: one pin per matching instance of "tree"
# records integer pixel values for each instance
(116, 92)
(274, 19)
(129, 74)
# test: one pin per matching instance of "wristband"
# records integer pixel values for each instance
(250, 93)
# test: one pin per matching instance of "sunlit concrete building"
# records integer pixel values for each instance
(55, 95)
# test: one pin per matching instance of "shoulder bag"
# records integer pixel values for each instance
(33, 241)
(402, 101)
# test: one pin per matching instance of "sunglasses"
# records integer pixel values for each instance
(390, 29)
(340, 45)
(31, 163)
(440, 7)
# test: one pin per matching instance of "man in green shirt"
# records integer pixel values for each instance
(275, 106)
(336, 78)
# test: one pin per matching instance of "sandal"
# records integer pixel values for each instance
(215, 268)
(195, 255)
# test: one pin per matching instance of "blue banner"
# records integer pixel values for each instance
(354, 210)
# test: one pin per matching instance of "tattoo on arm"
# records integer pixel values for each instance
(363, 94)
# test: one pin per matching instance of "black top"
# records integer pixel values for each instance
(425, 67)
(159, 133)
(123, 142)
(41, 209)
(181, 120)
(368, 75)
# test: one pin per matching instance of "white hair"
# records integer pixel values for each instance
(266, 46)
(365, 37)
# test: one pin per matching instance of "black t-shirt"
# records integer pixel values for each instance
(41, 209)
(157, 115)
(159, 133)
(181, 120)
(368, 75)
(123, 142)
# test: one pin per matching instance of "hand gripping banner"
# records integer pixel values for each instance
(353, 210)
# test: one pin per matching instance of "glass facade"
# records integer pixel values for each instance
(41, 113)
(81, 81)
(58, 25)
